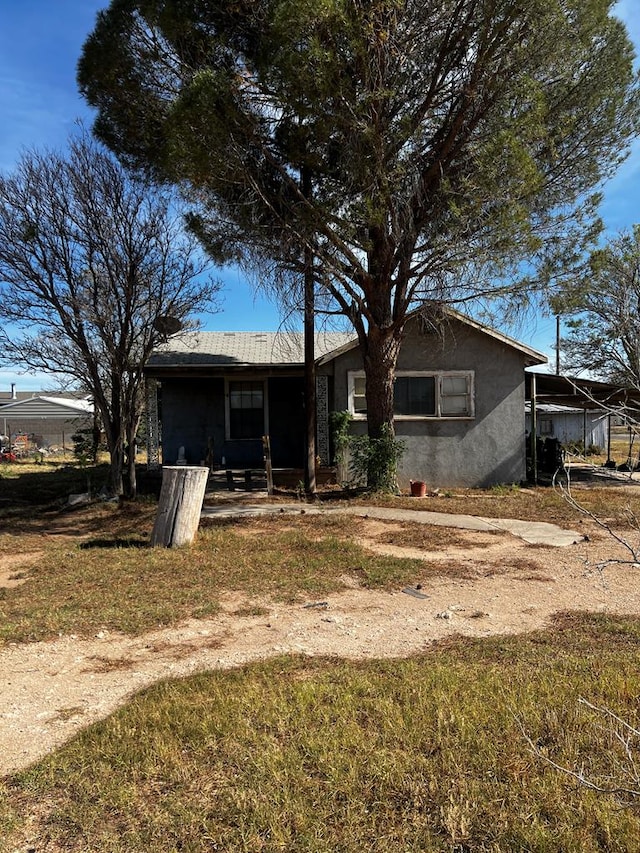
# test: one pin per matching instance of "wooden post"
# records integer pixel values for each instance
(266, 444)
(180, 505)
(309, 355)
(534, 430)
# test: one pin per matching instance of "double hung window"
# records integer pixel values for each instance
(246, 410)
(420, 395)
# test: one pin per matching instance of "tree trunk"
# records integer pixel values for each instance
(180, 505)
(129, 475)
(116, 453)
(380, 361)
(115, 436)
(380, 366)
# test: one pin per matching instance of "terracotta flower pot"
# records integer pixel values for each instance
(418, 488)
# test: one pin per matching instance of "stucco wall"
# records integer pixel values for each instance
(484, 450)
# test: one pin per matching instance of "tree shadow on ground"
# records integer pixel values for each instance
(116, 542)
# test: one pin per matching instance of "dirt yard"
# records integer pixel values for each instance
(49, 691)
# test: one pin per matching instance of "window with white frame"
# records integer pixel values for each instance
(420, 395)
(357, 394)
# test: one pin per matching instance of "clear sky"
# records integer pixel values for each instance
(40, 42)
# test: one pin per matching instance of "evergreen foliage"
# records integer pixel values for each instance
(446, 142)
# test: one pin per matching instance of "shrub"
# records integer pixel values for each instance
(374, 461)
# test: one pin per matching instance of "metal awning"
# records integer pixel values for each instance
(578, 393)
(575, 393)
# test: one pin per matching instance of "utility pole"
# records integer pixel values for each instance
(309, 355)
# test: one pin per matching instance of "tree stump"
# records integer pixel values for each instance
(180, 505)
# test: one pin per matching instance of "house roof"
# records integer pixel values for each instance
(13, 396)
(280, 349)
(531, 355)
(60, 408)
(241, 349)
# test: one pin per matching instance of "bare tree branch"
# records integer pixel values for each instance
(91, 261)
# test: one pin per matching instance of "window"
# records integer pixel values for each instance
(546, 426)
(454, 396)
(246, 410)
(420, 395)
(414, 395)
(358, 396)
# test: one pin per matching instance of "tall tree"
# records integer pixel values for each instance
(604, 310)
(447, 142)
(95, 271)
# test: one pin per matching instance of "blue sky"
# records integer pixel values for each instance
(40, 42)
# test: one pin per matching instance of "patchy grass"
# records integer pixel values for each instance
(96, 570)
(432, 538)
(532, 504)
(93, 568)
(27, 482)
(429, 753)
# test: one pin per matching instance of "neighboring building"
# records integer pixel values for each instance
(590, 427)
(38, 422)
(459, 399)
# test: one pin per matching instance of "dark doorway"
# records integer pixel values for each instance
(286, 422)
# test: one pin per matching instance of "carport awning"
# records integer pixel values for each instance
(579, 393)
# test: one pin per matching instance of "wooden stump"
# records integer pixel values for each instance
(180, 505)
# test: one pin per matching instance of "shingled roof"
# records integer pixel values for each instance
(212, 350)
(241, 349)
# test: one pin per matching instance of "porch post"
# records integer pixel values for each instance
(309, 354)
(534, 430)
(322, 417)
(153, 426)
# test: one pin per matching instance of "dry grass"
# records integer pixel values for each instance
(533, 504)
(315, 756)
(96, 570)
(431, 538)
(429, 753)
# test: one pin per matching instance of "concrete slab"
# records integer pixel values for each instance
(533, 532)
(441, 519)
(538, 532)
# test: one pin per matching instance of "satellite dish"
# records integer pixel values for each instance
(167, 325)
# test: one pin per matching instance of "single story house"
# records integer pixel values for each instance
(459, 399)
(41, 422)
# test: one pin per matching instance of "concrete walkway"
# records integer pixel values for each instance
(533, 532)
